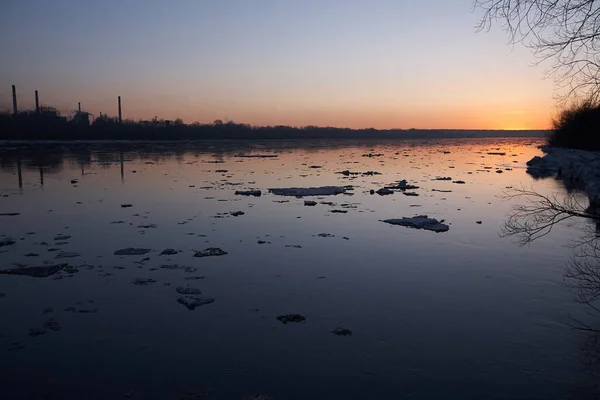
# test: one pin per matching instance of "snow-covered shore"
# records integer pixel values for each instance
(577, 167)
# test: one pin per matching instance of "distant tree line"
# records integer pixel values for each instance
(53, 127)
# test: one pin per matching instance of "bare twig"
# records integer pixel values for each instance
(567, 32)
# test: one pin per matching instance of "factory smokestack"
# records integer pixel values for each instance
(37, 103)
(14, 90)
(79, 106)
(120, 115)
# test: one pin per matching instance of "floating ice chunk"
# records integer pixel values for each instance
(310, 191)
(291, 318)
(210, 252)
(256, 156)
(6, 242)
(342, 332)
(255, 193)
(62, 237)
(366, 173)
(187, 290)
(373, 155)
(403, 185)
(168, 252)
(143, 281)
(36, 272)
(384, 191)
(419, 222)
(131, 251)
(191, 302)
(67, 254)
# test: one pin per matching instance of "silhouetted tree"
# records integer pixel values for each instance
(564, 31)
(576, 126)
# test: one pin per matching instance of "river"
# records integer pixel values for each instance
(465, 314)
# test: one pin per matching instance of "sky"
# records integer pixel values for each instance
(348, 63)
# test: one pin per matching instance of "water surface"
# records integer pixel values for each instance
(462, 314)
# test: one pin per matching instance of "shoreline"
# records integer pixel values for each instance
(580, 168)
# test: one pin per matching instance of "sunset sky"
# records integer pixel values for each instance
(346, 63)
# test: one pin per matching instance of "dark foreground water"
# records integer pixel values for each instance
(463, 314)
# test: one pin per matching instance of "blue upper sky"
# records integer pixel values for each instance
(381, 63)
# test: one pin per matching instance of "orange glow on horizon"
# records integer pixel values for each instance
(532, 119)
(379, 112)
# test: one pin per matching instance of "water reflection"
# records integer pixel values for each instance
(535, 215)
(20, 174)
(582, 277)
(52, 158)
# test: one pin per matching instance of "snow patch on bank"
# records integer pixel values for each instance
(579, 168)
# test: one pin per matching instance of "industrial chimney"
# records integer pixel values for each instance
(120, 115)
(37, 103)
(79, 107)
(14, 90)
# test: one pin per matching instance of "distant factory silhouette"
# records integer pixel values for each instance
(79, 116)
(46, 123)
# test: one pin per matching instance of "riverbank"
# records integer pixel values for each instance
(578, 168)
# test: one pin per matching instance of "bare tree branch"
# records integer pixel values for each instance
(566, 32)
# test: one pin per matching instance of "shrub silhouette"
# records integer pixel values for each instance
(577, 127)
